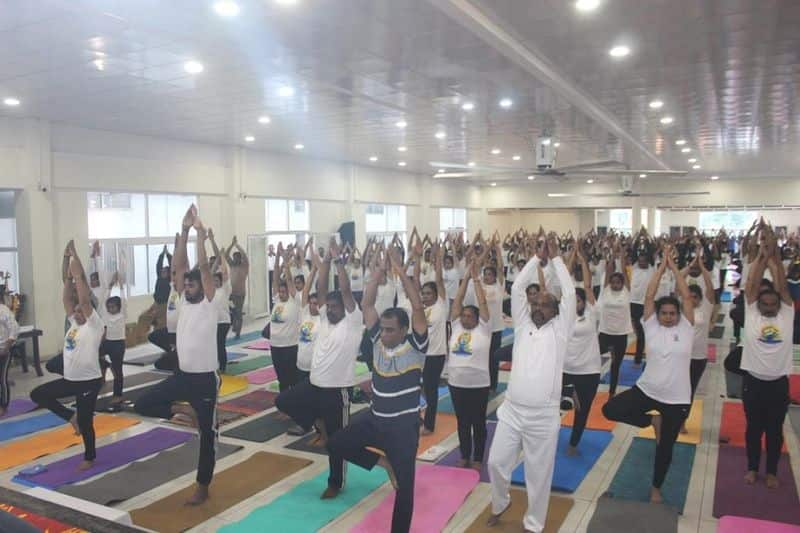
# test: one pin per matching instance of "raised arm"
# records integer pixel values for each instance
(775, 266)
(418, 321)
(708, 291)
(160, 262)
(525, 277)
(587, 278)
(209, 289)
(214, 249)
(287, 273)
(480, 294)
(368, 309)
(81, 285)
(458, 302)
(438, 261)
(245, 259)
(566, 307)
(652, 287)
(756, 274)
(344, 279)
(501, 277)
(181, 258)
(276, 271)
(681, 287)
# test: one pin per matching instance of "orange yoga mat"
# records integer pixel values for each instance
(22, 451)
(596, 418)
(631, 349)
(446, 425)
(732, 426)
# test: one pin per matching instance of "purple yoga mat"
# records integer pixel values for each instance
(262, 375)
(18, 407)
(111, 456)
(733, 497)
(452, 458)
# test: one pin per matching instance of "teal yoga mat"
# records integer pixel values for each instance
(241, 366)
(635, 475)
(246, 337)
(300, 510)
(25, 426)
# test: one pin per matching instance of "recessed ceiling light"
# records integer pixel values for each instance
(516, 157)
(642, 176)
(440, 135)
(696, 167)
(286, 90)
(471, 164)
(656, 104)
(226, 8)
(587, 5)
(590, 180)
(468, 106)
(402, 149)
(299, 146)
(441, 170)
(496, 151)
(373, 158)
(401, 163)
(692, 160)
(264, 119)
(99, 64)
(193, 67)
(401, 123)
(531, 177)
(680, 142)
(97, 42)
(686, 150)
(11, 101)
(249, 139)
(493, 184)
(506, 103)
(667, 120)
(98, 53)
(556, 144)
(714, 178)
(619, 51)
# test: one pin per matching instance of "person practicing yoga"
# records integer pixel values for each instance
(221, 301)
(239, 265)
(392, 424)
(82, 375)
(284, 322)
(9, 329)
(196, 380)
(113, 312)
(164, 337)
(615, 314)
(664, 385)
(529, 418)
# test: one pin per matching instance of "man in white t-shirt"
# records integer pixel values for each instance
(641, 272)
(196, 380)
(324, 400)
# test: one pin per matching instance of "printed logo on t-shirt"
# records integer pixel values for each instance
(277, 315)
(428, 311)
(71, 339)
(463, 345)
(171, 304)
(770, 335)
(307, 332)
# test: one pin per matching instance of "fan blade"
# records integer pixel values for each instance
(590, 164)
(672, 194)
(442, 164)
(626, 172)
(624, 194)
(440, 175)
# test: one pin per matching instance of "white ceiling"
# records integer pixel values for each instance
(726, 70)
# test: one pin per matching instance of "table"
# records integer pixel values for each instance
(30, 332)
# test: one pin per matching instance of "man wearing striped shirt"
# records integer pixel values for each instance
(392, 425)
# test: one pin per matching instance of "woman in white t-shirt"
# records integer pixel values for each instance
(664, 385)
(355, 271)
(582, 359)
(468, 369)
(113, 312)
(309, 327)
(284, 324)
(614, 310)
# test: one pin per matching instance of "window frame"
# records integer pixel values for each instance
(452, 229)
(387, 233)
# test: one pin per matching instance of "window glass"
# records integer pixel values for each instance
(116, 216)
(8, 233)
(9, 266)
(298, 215)
(165, 213)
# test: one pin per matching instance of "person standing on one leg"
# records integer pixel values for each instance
(221, 301)
(614, 308)
(392, 424)
(196, 381)
(766, 358)
(324, 399)
(82, 375)
(9, 329)
(641, 273)
(164, 337)
(113, 312)
(284, 322)
(309, 328)
(664, 385)
(239, 269)
(529, 419)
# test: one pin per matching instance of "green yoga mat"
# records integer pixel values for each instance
(635, 475)
(796, 354)
(246, 337)
(300, 510)
(241, 366)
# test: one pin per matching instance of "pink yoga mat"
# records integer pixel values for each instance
(262, 375)
(260, 344)
(737, 524)
(438, 493)
(712, 353)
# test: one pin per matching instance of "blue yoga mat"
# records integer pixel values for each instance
(246, 337)
(300, 509)
(570, 471)
(446, 402)
(16, 428)
(628, 373)
(233, 356)
(508, 337)
(635, 475)
(726, 297)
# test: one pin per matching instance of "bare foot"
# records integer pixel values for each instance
(330, 492)
(494, 519)
(655, 495)
(85, 465)
(425, 431)
(750, 477)
(462, 463)
(683, 429)
(772, 481)
(186, 410)
(572, 451)
(384, 463)
(656, 421)
(476, 465)
(200, 495)
(74, 422)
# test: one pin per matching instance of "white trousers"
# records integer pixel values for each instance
(534, 432)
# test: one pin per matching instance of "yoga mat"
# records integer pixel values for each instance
(511, 520)
(570, 470)
(231, 385)
(725, 297)
(250, 403)
(446, 402)
(712, 353)
(261, 429)
(628, 373)
(17, 407)
(439, 491)
(694, 424)
(732, 426)
(130, 397)
(230, 487)
(226, 417)
(720, 318)
(428, 449)
(31, 522)
(634, 478)
(264, 375)
(733, 385)
(614, 515)
(25, 450)
(25, 426)
(732, 496)
(300, 510)
(142, 355)
(794, 419)
(142, 476)
(245, 337)
(717, 332)
(233, 356)
(738, 524)
(796, 354)
(246, 365)
(794, 387)
(132, 380)
(452, 458)
(108, 457)
(260, 344)
(596, 419)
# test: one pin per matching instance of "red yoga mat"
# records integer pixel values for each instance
(251, 403)
(794, 388)
(733, 424)
(41, 522)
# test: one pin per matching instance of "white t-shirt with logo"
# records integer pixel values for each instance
(583, 349)
(666, 375)
(196, 336)
(615, 311)
(336, 349)
(221, 300)
(81, 348)
(436, 315)
(640, 279)
(767, 342)
(468, 361)
(173, 302)
(309, 329)
(285, 322)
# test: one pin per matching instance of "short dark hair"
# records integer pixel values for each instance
(769, 292)
(193, 275)
(696, 290)
(474, 309)
(766, 283)
(667, 300)
(491, 269)
(533, 286)
(432, 286)
(299, 277)
(282, 284)
(218, 275)
(580, 293)
(617, 275)
(115, 300)
(94, 275)
(399, 313)
(335, 296)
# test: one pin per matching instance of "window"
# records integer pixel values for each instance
(133, 228)
(452, 220)
(287, 221)
(713, 221)
(9, 259)
(383, 221)
(657, 231)
(620, 220)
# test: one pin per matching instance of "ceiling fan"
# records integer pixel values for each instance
(603, 167)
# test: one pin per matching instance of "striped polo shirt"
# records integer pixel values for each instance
(396, 375)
